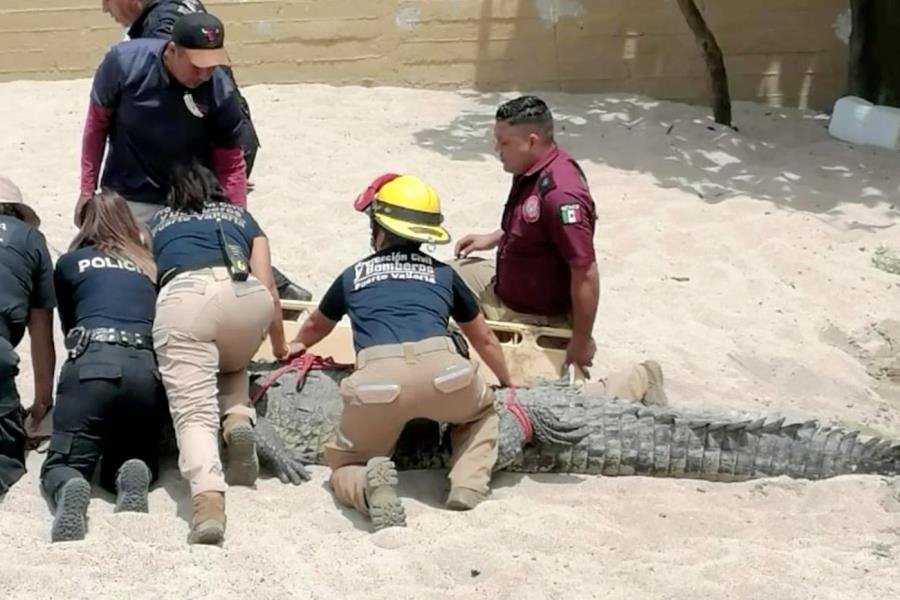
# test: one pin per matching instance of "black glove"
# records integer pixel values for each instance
(274, 456)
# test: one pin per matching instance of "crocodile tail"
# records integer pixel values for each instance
(645, 441)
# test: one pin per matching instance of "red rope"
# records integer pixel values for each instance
(518, 411)
(302, 364)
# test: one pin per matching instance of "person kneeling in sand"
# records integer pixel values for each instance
(26, 302)
(399, 301)
(217, 300)
(546, 270)
(110, 401)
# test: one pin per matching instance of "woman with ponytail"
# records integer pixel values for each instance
(217, 302)
(110, 401)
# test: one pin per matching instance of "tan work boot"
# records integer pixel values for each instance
(208, 523)
(242, 467)
(655, 394)
(385, 509)
(461, 498)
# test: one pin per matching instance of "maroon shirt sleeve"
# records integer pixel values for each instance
(228, 165)
(570, 223)
(93, 142)
(227, 155)
(105, 91)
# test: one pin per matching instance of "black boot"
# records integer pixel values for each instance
(132, 486)
(288, 290)
(70, 520)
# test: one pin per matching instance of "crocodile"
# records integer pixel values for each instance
(563, 429)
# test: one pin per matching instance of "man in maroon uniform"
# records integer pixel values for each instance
(546, 269)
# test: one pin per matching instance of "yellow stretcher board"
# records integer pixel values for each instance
(530, 351)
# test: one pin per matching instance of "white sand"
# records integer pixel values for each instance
(777, 251)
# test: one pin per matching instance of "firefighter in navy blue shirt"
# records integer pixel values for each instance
(399, 301)
(156, 19)
(217, 301)
(110, 401)
(27, 300)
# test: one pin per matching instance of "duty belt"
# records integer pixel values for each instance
(169, 275)
(79, 338)
(404, 350)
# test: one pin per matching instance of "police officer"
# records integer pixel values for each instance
(156, 19)
(27, 300)
(161, 102)
(546, 270)
(399, 301)
(217, 301)
(110, 400)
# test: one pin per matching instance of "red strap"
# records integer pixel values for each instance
(518, 411)
(363, 201)
(302, 364)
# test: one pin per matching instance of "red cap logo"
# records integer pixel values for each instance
(209, 33)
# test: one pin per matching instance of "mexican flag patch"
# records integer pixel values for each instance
(570, 214)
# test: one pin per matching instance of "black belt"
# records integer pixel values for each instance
(174, 271)
(78, 339)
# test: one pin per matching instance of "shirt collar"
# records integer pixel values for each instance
(138, 25)
(545, 160)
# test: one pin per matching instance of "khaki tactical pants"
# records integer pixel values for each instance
(395, 383)
(478, 273)
(206, 331)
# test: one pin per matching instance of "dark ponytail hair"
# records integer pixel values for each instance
(193, 186)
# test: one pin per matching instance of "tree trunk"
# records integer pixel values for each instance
(859, 78)
(874, 66)
(885, 21)
(715, 64)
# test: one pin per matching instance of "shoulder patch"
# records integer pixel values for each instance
(545, 182)
(570, 214)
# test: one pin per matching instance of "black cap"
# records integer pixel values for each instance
(202, 35)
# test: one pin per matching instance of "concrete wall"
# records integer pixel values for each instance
(784, 52)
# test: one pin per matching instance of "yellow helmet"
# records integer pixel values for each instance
(410, 208)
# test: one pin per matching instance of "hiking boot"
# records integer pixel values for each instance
(70, 520)
(385, 509)
(243, 465)
(655, 394)
(288, 290)
(132, 486)
(461, 498)
(208, 522)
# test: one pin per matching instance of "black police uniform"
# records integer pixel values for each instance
(156, 21)
(26, 282)
(110, 401)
